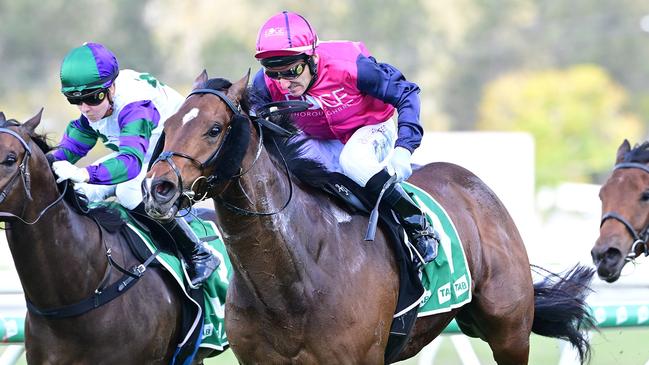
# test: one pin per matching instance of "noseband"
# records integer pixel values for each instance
(167, 155)
(23, 171)
(210, 180)
(639, 238)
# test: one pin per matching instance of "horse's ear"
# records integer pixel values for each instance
(235, 92)
(200, 80)
(2, 118)
(32, 123)
(622, 150)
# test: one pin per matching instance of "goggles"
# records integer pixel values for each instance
(290, 74)
(93, 98)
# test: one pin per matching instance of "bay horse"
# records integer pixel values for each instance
(60, 255)
(306, 288)
(624, 228)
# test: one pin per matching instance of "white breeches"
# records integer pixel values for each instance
(366, 153)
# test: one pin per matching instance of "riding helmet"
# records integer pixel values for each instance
(88, 67)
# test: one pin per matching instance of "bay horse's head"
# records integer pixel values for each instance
(209, 133)
(625, 212)
(16, 150)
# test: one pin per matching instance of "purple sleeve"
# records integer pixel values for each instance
(136, 121)
(78, 139)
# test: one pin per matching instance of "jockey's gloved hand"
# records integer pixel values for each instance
(67, 171)
(400, 164)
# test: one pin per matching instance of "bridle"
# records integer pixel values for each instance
(104, 292)
(23, 172)
(167, 156)
(210, 181)
(22, 168)
(640, 238)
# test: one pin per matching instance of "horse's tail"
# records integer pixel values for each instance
(560, 309)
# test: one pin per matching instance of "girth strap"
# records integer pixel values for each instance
(99, 298)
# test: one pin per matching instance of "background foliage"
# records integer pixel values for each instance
(574, 74)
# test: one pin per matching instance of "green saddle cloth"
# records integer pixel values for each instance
(446, 280)
(215, 288)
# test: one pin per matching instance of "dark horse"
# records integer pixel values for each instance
(61, 258)
(624, 228)
(307, 289)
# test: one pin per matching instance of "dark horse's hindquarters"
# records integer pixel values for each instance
(307, 289)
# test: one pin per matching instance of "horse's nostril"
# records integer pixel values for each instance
(597, 256)
(162, 190)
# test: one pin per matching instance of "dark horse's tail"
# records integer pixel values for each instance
(560, 309)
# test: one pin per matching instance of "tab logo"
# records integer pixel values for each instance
(444, 293)
(460, 286)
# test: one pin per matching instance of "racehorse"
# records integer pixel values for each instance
(62, 258)
(306, 288)
(624, 228)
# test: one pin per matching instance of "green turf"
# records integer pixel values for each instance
(620, 346)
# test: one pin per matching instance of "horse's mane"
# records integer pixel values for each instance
(639, 153)
(221, 84)
(107, 216)
(39, 139)
(306, 170)
(280, 148)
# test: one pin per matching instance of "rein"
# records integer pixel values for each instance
(210, 180)
(104, 293)
(640, 238)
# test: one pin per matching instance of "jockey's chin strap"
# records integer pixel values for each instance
(640, 238)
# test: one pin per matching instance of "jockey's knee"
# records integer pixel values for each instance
(129, 195)
(95, 193)
(359, 170)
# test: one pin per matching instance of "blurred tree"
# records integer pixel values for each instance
(535, 34)
(451, 49)
(35, 35)
(404, 36)
(577, 116)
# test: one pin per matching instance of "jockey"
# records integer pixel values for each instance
(126, 110)
(351, 126)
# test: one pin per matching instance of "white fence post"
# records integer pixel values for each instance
(11, 354)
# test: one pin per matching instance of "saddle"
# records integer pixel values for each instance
(165, 243)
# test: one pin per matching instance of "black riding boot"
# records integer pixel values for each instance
(201, 263)
(422, 236)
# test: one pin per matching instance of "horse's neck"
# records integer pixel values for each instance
(269, 249)
(57, 258)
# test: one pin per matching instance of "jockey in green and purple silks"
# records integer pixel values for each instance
(126, 110)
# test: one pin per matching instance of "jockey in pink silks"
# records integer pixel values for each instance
(363, 119)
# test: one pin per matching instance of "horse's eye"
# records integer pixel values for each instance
(214, 131)
(10, 159)
(645, 196)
